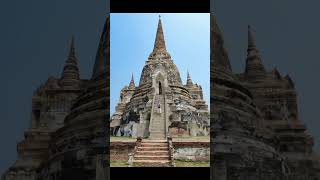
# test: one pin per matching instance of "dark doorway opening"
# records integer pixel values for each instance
(160, 88)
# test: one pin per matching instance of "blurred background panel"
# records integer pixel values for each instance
(35, 39)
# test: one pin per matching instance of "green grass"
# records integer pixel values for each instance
(112, 139)
(118, 163)
(181, 163)
(196, 138)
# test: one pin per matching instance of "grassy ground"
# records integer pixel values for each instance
(180, 163)
(119, 163)
(192, 139)
(124, 139)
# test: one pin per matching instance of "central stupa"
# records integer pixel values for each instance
(161, 105)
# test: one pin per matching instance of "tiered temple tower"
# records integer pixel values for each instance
(242, 148)
(256, 132)
(67, 137)
(276, 97)
(161, 105)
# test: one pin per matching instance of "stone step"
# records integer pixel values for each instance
(148, 157)
(152, 153)
(158, 121)
(157, 125)
(152, 161)
(154, 141)
(158, 118)
(153, 144)
(153, 148)
(157, 137)
(157, 134)
(157, 131)
(160, 146)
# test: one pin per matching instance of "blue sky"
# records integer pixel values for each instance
(132, 38)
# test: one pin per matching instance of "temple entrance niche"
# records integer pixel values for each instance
(160, 90)
(159, 84)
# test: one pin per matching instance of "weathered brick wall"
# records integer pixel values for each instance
(120, 150)
(194, 151)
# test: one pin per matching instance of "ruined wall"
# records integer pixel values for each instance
(191, 151)
(119, 150)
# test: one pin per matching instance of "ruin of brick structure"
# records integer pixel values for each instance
(67, 137)
(256, 132)
(161, 105)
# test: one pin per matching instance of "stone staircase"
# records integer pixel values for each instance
(152, 153)
(157, 126)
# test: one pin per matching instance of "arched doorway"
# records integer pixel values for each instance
(160, 88)
(159, 84)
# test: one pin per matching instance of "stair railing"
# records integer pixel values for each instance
(151, 115)
(171, 151)
(131, 155)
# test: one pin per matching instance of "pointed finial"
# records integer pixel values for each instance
(251, 38)
(132, 79)
(159, 16)
(72, 40)
(72, 52)
(254, 66)
(188, 75)
(218, 54)
(101, 64)
(189, 80)
(70, 73)
(132, 85)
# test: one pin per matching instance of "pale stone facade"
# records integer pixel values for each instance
(160, 105)
(256, 132)
(67, 137)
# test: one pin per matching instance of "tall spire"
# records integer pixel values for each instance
(159, 47)
(221, 67)
(70, 74)
(254, 66)
(188, 75)
(72, 51)
(100, 65)
(132, 85)
(251, 38)
(189, 80)
(159, 44)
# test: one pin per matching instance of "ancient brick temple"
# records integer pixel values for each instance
(160, 105)
(67, 137)
(256, 132)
